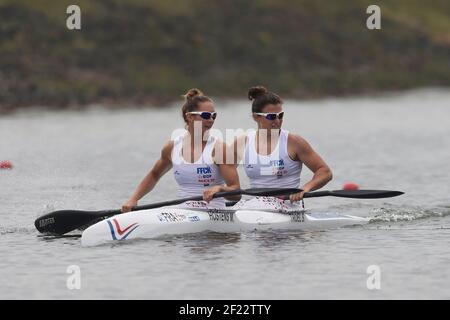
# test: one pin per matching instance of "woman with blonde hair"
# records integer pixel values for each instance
(197, 173)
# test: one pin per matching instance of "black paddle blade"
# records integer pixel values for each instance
(365, 194)
(63, 221)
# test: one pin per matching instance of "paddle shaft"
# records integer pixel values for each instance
(63, 221)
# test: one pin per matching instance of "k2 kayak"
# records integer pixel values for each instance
(154, 223)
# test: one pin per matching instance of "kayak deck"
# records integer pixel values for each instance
(154, 223)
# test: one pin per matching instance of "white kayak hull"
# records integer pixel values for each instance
(154, 223)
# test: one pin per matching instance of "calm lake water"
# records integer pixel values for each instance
(92, 160)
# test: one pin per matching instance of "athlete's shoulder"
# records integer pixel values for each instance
(167, 148)
(299, 144)
(296, 139)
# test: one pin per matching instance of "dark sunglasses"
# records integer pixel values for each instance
(205, 114)
(271, 116)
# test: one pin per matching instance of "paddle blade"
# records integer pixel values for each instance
(63, 221)
(365, 194)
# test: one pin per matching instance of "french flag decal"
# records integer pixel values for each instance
(117, 232)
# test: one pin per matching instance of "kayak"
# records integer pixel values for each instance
(154, 223)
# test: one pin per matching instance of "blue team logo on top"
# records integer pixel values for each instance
(277, 163)
(204, 170)
(275, 168)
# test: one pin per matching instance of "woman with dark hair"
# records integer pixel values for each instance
(197, 163)
(273, 157)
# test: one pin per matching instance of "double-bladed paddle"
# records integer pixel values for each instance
(63, 221)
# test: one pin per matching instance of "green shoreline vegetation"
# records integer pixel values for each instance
(150, 52)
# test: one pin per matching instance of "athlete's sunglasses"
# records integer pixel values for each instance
(205, 114)
(271, 116)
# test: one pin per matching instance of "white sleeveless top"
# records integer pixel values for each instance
(194, 178)
(276, 170)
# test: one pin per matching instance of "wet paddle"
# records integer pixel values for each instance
(63, 221)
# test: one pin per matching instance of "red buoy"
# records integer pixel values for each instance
(350, 186)
(6, 164)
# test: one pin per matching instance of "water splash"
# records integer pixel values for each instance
(407, 214)
(15, 230)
